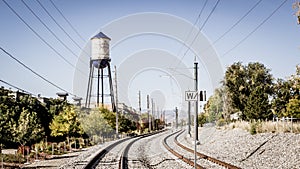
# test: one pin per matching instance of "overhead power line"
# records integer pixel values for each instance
(191, 30)
(40, 37)
(200, 29)
(34, 72)
(255, 29)
(45, 25)
(69, 23)
(61, 28)
(233, 26)
(9, 84)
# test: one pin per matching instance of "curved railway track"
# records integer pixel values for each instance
(200, 155)
(123, 163)
(123, 159)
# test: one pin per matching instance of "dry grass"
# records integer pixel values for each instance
(265, 126)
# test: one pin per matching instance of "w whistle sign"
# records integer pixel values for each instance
(191, 96)
(194, 96)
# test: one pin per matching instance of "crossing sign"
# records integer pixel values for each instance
(191, 95)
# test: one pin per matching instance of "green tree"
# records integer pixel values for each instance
(201, 119)
(258, 106)
(296, 6)
(214, 107)
(126, 125)
(293, 108)
(235, 82)
(281, 97)
(28, 128)
(109, 116)
(7, 114)
(66, 123)
(94, 123)
(247, 83)
(294, 81)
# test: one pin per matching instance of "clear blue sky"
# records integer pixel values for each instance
(275, 43)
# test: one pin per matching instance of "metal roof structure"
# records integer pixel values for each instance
(101, 35)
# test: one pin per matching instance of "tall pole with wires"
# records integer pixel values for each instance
(117, 101)
(196, 102)
(189, 119)
(148, 111)
(140, 113)
(153, 109)
(196, 114)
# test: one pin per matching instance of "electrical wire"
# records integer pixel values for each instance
(40, 37)
(34, 72)
(61, 28)
(187, 37)
(45, 25)
(37, 34)
(235, 24)
(255, 29)
(69, 23)
(202, 26)
(9, 84)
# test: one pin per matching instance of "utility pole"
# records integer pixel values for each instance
(157, 117)
(176, 117)
(117, 111)
(189, 118)
(196, 102)
(196, 114)
(152, 113)
(140, 110)
(148, 111)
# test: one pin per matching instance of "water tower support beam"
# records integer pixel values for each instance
(102, 88)
(111, 89)
(89, 88)
(98, 86)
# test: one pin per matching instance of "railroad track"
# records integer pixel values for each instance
(124, 162)
(200, 155)
(111, 162)
(100, 155)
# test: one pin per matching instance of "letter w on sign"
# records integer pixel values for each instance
(191, 96)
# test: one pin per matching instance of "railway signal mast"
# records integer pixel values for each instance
(99, 61)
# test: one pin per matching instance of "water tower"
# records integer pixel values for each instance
(99, 61)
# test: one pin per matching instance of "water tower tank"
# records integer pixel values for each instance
(100, 47)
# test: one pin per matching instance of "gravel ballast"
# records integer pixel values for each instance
(238, 147)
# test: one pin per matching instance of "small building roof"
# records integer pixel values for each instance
(101, 35)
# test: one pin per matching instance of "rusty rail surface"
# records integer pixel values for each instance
(191, 162)
(186, 160)
(214, 160)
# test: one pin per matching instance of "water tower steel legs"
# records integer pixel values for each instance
(113, 104)
(100, 75)
(89, 89)
(102, 88)
(98, 86)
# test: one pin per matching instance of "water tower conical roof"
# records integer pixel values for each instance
(101, 35)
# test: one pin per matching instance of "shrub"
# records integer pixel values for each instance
(253, 126)
(221, 122)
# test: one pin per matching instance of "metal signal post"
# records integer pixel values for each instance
(196, 114)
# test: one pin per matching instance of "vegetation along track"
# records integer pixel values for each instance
(187, 160)
(123, 159)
